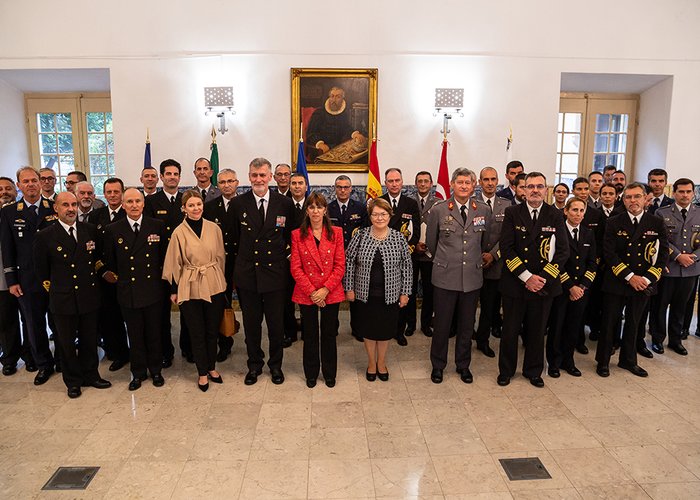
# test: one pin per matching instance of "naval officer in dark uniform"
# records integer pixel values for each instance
(19, 223)
(261, 238)
(66, 256)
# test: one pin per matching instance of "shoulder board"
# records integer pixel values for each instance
(20, 206)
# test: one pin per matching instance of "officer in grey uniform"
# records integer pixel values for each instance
(682, 221)
(455, 238)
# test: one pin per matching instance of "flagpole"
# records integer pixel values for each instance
(148, 135)
(213, 135)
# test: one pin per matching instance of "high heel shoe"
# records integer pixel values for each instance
(216, 380)
(383, 376)
(203, 387)
(370, 376)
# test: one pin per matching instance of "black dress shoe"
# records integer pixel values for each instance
(553, 372)
(503, 380)
(401, 340)
(573, 371)
(371, 377)
(100, 383)
(310, 383)
(634, 369)
(222, 356)
(436, 376)
(167, 362)
(678, 349)
(582, 349)
(216, 380)
(603, 370)
(59, 369)
(486, 349)
(277, 376)
(117, 365)
(287, 342)
(409, 331)
(684, 334)
(428, 331)
(251, 377)
(8, 370)
(594, 336)
(465, 375)
(135, 384)
(74, 392)
(643, 351)
(30, 367)
(496, 332)
(330, 382)
(384, 377)
(203, 387)
(537, 381)
(657, 348)
(43, 375)
(158, 380)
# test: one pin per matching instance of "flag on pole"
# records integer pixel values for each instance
(374, 187)
(442, 189)
(509, 146)
(147, 152)
(301, 163)
(214, 159)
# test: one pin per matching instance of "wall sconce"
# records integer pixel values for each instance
(219, 101)
(448, 101)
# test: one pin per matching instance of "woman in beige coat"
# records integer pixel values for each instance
(194, 267)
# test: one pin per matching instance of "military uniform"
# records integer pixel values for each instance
(18, 228)
(137, 260)
(160, 206)
(678, 282)
(67, 267)
(210, 193)
(110, 322)
(456, 238)
(527, 247)
(261, 271)
(642, 252)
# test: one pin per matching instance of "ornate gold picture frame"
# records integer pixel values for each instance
(335, 112)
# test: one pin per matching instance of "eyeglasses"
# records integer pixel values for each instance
(380, 215)
(343, 187)
(69, 183)
(47, 179)
(283, 174)
(535, 186)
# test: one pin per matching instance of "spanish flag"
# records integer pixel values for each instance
(374, 187)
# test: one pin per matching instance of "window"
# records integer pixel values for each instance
(594, 130)
(72, 132)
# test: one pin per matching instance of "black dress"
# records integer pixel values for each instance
(377, 318)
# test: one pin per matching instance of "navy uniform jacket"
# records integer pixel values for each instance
(100, 217)
(430, 201)
(594, 220)
(158, 205)
(683, 237)
(406, 219)
(525, 247)
(216, 212)
(355, 217)
(261, 249)
(643, 252)
(507, 194)
(580, 269)
(18, 228)
(136, 260)
(493, 237)
(665, 201)
(68, 269)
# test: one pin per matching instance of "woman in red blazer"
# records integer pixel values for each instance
(317, 265)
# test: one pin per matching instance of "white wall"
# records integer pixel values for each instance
(652, 134)
(508, 56)
(14, 151)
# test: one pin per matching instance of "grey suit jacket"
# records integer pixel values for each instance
(456, 247)
(683, 237)
(212, 192)
(493, 236)
(429, 202)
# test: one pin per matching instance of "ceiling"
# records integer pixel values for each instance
(609, 82)
(57, 80)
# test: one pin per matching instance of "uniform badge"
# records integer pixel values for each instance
(651, 233)
(46, 204)
(281, 221)
(90, 246)
(473, 205)
(20, 206)
(549, 229)
(120, 240)
(622, 232)
(161, 212)
(479, 221)
(354, 216)
(406, 216)
(245, 215)
(59, 249)
(450, 205)
(153, 238)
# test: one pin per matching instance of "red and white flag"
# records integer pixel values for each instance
(442, 189)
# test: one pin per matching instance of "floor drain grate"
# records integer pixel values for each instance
(520, 469)
(71, 478)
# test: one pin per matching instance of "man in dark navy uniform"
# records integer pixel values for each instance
(513, 169)
(19, 223)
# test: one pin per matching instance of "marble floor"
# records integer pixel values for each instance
(620, 437)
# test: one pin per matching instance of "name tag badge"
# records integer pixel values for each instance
(586, 244)
(281, 221)
(161, 212)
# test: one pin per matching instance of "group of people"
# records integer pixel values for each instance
(109, 275)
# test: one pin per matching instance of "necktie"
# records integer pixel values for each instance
(394, 204)
(656, 204)
(607, 212)
(71, 231)
(534, 216)
(34, 211)
(595, 204)
(204, 194)
(488, 202)
(684, 212)
(298, 206)
(422, 204)
(112, 215)
(136, 228)
(172, 200)
(575, 231)
(262, 209)
(342, 209)
(635, 223)
(463, 209)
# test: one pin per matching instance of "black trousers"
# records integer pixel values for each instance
(143, 327)
(165, 326)
(690, 307)
(594, 309)
(563, 336)
(633, 306)
(79, 367)
(673, 292)
(490, 312)
(226, 343)
(254, 306)
(111, 324)
(203, 320)
(290, 321)
(447, 304)
(425, 270)
(532, 315)
(328, 362)
(34, 306)
(650, 316)
(10, 336)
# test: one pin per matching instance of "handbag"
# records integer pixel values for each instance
(229, 326)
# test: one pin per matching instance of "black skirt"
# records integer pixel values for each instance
(377, 320)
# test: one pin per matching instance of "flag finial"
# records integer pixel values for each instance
(213, 135)
(148, 135)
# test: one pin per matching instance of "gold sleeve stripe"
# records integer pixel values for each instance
(618, 268)
(564, 277)
(552, 270)
(656, 271)
(590, 275)
(513, 264)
